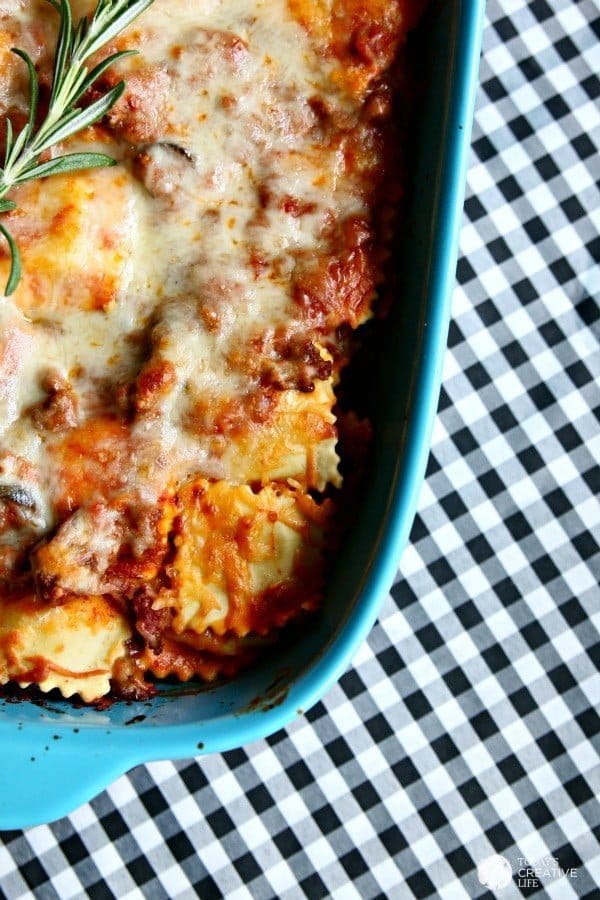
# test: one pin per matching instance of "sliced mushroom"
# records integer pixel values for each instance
(17, 494)
(163, 169)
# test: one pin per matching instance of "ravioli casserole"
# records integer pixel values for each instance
(169, 469)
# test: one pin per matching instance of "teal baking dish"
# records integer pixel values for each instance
(55, 756)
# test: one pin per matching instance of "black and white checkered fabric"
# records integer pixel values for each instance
(469, 723)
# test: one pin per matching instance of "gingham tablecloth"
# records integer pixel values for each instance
(468, 726)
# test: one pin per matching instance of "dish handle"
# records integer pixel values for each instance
(46, 783)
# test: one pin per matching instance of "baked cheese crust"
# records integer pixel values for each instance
(169, 360)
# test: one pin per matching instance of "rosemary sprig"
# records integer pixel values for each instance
(71, 79)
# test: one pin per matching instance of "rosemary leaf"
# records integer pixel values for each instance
(14, 276)
(17, 147)
(99, 70)
(63, 46)
(8, 141)
(34, 90)
(83, 118)
(70, 162)
(119, 16)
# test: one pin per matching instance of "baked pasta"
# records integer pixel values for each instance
(168, 440)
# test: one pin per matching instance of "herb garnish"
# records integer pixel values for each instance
(70, 80)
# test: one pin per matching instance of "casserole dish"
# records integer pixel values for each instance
(56, 756)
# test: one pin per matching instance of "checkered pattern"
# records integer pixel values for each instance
(468, 725)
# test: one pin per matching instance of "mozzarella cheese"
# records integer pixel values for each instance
(178, 324)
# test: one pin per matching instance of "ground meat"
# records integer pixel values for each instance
(58, 410)
(140, 115)
(128, 679)
(338, 290)
(153, 382)
(151, 623)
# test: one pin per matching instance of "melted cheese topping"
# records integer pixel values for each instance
(179, 316)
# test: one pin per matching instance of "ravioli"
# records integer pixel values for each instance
(71, 647)
(245, 561)
(76, 253)
(170, 473)
(293, 436)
